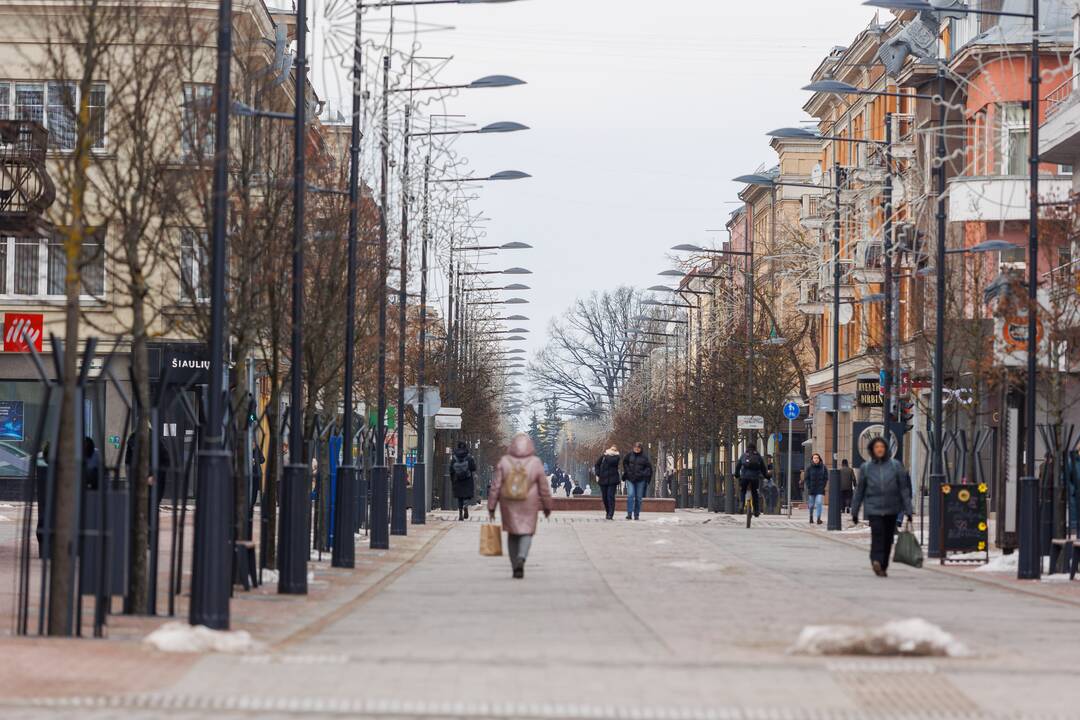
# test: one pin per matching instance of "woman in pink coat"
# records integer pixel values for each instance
(520, 472)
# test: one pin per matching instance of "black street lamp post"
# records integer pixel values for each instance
(296, 481)
(211, 572)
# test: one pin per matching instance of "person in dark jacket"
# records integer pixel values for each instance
(815, 478)
(847, 485)
(91, 464)
(883, 492)
(607, 475)
(638, 473)
(462, 474)
(751, 470)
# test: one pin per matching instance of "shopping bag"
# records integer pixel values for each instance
(908, 550)
(490, 540)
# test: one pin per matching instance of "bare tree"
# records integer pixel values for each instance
(589, 349)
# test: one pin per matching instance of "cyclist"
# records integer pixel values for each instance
(750, 470)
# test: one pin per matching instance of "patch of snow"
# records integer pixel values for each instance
(7, 506)
(665, 520)
(1001, 564)
(310, 576)
(1055, 578)
(695, 565)
(860, 529)
(4, 518)
(912, 637)
(180, 637)
(661, 542)
(270, 576)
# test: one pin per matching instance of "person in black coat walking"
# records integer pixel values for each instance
(462, 473)
(607, 476)
(638, 472)
(884, 491)
(815, 478)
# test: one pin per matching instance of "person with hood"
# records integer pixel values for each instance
(520, 489)
(462, 475)
(751, 469)
(847, 485)
(883, 492)
(607, 476)
(815, 478)
(638, 473)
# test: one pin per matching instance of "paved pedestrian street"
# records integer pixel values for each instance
(678, 615)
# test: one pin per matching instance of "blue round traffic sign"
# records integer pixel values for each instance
(791, 411)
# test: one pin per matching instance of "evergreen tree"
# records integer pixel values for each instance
(537, 434)
(550, 429)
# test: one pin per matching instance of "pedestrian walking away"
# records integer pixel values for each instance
(751, 470)
(462, 476)
(607, 475)
(883, 492)
(638, 473)
(847, 485)
(815, 478)
(520, 490)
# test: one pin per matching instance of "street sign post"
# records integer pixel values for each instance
(751, 422)
(791, 411)
(448, 418)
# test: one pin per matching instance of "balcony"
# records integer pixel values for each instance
(812, 213)
(994, 198)
(1059, 135)
(868, 267)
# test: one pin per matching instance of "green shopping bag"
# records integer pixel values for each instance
(908, 550)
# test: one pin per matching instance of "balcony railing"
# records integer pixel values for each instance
(1061, 96)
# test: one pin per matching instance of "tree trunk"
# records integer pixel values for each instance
(68, 471)
(140, 469)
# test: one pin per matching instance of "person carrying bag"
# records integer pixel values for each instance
(520, 490)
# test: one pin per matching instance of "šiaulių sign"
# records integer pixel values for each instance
(868, 392)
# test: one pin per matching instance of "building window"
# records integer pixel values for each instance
(194, 266)
(198, 130)
(55, 104)
(26, 267)
(1013, 143)
(36, 267)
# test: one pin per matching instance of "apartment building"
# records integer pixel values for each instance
(43, 58)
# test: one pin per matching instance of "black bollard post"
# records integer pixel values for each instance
(835, 503)
(1029, 566)
(379, 510)
(933, 544)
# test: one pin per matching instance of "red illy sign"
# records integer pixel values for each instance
(20, 327)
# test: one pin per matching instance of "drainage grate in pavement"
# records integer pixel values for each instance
(898, 703)
(888, 666)
(871, 691)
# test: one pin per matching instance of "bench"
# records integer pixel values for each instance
(595, 502)
(1065, 553)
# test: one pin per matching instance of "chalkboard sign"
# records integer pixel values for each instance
(963, 521)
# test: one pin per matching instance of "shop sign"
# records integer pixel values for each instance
(868, 392)
(863, 432)
(186, 364)
(20, 327)
(12, 420)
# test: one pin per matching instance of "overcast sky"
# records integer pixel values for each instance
(641, 112)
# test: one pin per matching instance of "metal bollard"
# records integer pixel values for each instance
(933, 543)
(1029, 566)
(836, 511)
